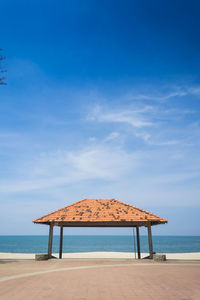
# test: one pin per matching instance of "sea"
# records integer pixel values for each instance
(97, 243)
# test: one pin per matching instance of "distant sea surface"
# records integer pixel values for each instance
(72, 244)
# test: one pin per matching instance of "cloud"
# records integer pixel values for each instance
(160, 124)
(103, 162)
(156, 94)
(159, 98)
(63, 167)
(144, 136)
(194, 90)
(133, 117)
(150, 139)
(112, 136)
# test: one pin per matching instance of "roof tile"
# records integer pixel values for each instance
(99, 210)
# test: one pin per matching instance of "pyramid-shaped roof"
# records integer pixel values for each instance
(100, 213)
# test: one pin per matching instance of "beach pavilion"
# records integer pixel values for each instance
(100, 213)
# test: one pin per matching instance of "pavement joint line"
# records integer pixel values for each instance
(18, 276)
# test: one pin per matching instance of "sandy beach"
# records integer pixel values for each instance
(103, 255)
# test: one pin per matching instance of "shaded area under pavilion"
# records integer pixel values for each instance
(100, 213)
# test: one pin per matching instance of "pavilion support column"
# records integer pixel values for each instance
(50, 240)
(138, 242)
(61, 241)
(150, 242)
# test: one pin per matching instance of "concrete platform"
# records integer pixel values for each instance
(99, 279)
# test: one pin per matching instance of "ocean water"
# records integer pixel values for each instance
(71, 244)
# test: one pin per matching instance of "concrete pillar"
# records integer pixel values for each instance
(150, 242)
(50, 240)
(61, 242)
(138, 242)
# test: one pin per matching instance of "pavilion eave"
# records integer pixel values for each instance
(102, 224)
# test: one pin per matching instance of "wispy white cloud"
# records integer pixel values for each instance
(146, 137)
(156, 94)
(159, 124)
(194, 90)
(103, 162)
(161, 98)
(133, 117)
(112, 136)
(150, 139)
(63, 167)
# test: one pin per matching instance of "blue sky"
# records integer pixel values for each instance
(103, 100)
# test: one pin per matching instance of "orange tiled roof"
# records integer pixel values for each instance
(102, 211)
